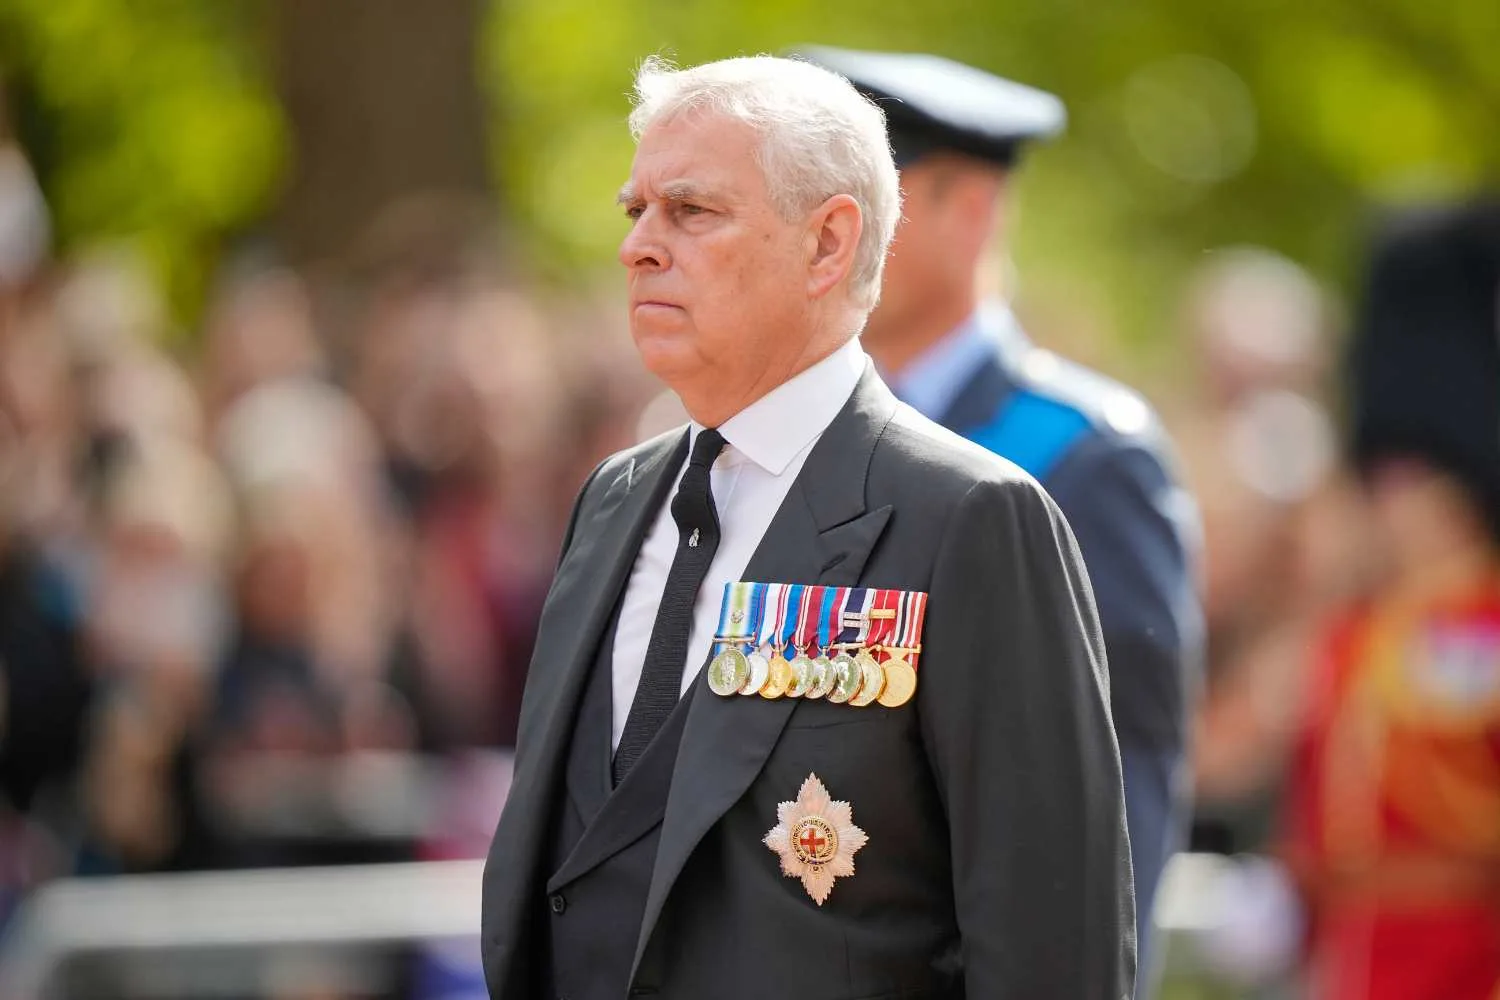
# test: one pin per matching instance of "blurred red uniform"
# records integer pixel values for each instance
(1395, 803)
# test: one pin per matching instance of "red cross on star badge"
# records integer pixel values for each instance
(816, 839)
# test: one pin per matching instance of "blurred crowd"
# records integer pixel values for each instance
(269, 599)
(1282, 521)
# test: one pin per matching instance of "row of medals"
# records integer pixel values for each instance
(843, 679)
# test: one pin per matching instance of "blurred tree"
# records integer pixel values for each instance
(147, 122)
(384, 104)
(166, 129)
(1193, 126)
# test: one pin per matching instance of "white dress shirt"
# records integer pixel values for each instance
(766, 444)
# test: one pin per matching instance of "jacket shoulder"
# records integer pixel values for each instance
(942, 464)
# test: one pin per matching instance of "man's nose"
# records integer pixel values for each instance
(643, 246)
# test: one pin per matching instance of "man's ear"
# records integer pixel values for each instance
(832, 240)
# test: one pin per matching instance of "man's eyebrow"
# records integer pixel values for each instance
(683, 191)
(670, 191)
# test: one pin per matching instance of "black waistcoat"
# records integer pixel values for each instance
(604, 848)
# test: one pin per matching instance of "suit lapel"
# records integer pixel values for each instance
(822, 533)
(588, 584)
(634, 807)
(587, 757)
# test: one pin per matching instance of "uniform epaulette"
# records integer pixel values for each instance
(1107, 406)
(1056, 405)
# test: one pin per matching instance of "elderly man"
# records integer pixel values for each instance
(818, 707)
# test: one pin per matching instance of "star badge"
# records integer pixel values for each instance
(816, 839)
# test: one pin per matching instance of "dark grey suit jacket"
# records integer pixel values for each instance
(997, 864)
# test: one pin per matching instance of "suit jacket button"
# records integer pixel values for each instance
(557, 903)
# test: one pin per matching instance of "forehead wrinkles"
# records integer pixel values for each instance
(697, 156)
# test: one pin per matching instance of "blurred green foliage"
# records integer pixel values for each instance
(146, 121)
(1194, 125)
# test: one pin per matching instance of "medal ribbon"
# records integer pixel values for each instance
(773, 612)
(790, 612)
(882, 631)
(909, 624)
(832, 610)
(858, 602)
(736, 599)
(723, 614)
(757, 614)
(808, 618)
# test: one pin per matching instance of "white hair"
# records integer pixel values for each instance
(819, 137)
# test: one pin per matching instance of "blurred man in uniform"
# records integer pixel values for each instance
(1096, 446)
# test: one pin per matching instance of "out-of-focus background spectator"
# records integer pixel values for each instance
(310, 329)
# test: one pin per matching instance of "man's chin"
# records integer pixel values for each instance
(667, 356)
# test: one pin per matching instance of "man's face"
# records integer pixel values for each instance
(917, 266)
(718, 280)
(947, 217)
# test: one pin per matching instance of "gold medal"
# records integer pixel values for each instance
(900, 682)
(728, 672)
(823, 678)
(847, 678)
(872, 680)
(802, 676)
(778, 679)
(760, 672)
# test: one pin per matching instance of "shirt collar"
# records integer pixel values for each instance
(931, 382)
(775, 428)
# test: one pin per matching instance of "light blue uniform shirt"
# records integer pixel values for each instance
(933, 381)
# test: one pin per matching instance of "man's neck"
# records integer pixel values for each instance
(717, 405)
(896, 342)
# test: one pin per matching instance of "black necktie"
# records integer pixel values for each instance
(697, 540)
